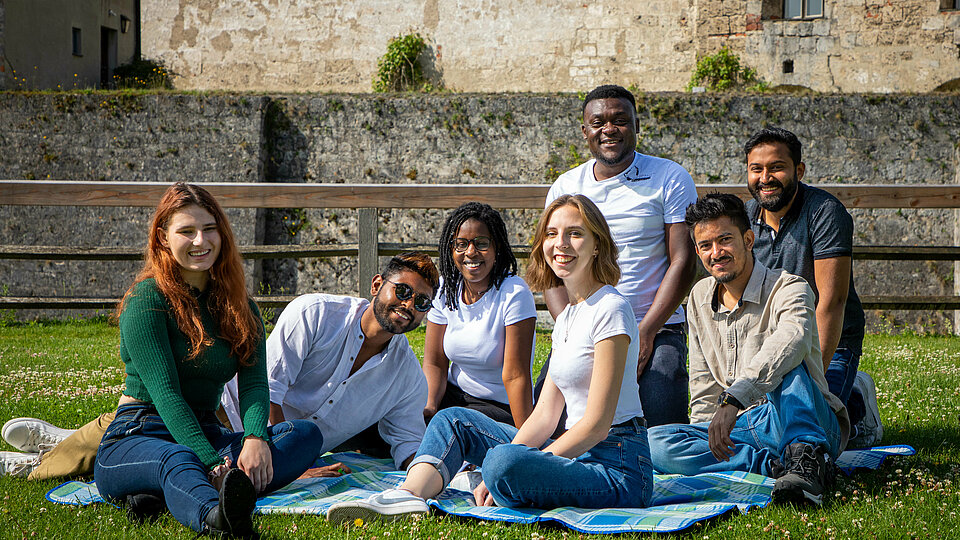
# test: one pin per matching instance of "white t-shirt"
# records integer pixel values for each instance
(606, 313)
(636, 203)
(475, 336)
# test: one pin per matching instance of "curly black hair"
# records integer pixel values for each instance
(505, 263)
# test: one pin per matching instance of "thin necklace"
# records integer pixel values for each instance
(464, 290)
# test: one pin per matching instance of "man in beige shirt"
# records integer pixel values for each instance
(759, 401)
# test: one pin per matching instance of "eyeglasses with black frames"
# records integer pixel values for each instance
(481, 243)
(404, 292)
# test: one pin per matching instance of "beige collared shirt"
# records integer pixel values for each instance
(748, 350)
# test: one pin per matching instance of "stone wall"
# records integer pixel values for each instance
(333, 45)
(857, 46)
(560, 46)
(117, 138)
(472, 138)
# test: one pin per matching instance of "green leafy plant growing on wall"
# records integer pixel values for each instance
(399, 69)
(723, 71)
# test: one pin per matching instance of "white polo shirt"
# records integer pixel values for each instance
(636, 203)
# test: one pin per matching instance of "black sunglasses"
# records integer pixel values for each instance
(404, 292)
(482, 243)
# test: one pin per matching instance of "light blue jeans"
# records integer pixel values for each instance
(794, 412)
(614, 473)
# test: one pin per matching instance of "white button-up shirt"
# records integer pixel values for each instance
(309, 357)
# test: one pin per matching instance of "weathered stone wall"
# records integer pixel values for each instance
(475, 46)
(560, 46)
(472, 138)
(857, 46)
(117, 138)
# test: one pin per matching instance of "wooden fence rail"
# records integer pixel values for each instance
(369, 198)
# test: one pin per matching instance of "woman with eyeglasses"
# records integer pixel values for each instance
(602, 460)
(480, 332)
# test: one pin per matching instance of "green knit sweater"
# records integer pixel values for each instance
(155, 353)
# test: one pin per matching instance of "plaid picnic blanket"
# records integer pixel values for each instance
(678, 501)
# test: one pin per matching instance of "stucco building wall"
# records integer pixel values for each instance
(562, 45)
(36, 42)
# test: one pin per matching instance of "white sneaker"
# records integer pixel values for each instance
(389, 505)
(466, 480)
(33, 434)
(870, 428)
(17, 464)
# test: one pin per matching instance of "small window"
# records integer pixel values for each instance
(949, 5)
(803, 9)
(77, 43)
(788, 66)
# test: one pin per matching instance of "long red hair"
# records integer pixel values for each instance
(228, 302)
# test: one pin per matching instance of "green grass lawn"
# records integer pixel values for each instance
(70, 372)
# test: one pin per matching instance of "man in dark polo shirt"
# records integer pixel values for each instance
(808, 232)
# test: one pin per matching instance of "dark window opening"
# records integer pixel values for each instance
(788, 66)
(949, 5)
(77, 43)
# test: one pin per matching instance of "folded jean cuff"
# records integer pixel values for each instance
(437, 463)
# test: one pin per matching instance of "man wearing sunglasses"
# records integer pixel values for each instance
(342, 363)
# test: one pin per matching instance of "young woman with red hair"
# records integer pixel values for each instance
(187, 326)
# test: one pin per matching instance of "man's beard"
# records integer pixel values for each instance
(619, 159)
(724, 278)
(777, 202)
(382, 313)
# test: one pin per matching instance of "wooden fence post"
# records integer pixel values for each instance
(368, 249)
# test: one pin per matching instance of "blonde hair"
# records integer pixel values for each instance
(605, 269)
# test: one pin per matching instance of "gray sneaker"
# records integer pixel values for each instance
(466, 481)
(807, 475)
(869, 430)
(33, 434)
(17, 464)
(390, 505)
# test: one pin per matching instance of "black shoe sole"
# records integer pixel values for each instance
(238, 499)
(143, 507)
(796, 496)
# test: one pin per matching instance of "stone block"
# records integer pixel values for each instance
(933, 23)
(821, 27)
(848, 40)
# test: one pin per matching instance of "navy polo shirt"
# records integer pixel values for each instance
(817, 226)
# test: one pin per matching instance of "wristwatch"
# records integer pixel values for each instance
(725, 398)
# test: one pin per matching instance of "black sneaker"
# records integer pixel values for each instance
(776, 468)
(143, 507)
(233, 517)
(807, 475)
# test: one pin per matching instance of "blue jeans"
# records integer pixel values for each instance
(794, 412)
(614, 473)
(139, 455)
(664, 382)
(840, 375)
